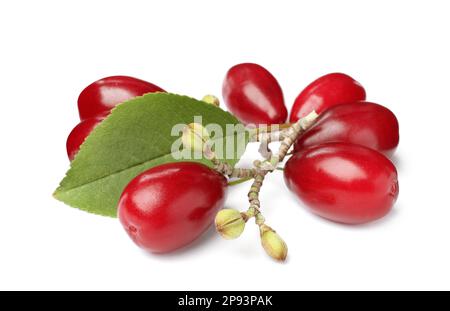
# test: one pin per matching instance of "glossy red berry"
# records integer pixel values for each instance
(97, 99)
(343, 182)
(329, 90)
(253, 95)
(170, 205)
(79, 134)
(369, 125)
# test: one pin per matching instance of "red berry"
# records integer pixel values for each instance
(170, 205)
(369, 125)
(79, 134)
(343, 182)
(97, 99)
(253, 95)
(329, 90)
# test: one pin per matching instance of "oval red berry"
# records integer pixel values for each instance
(343, 182)
(98, 98)
(253, 95)
(79, 134)
(327, 91)
(169, 206)
(370, 125)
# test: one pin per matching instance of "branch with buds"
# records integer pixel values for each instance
(230, 223)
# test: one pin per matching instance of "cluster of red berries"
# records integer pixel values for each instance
(339, 167)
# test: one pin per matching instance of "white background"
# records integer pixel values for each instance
(50, 50)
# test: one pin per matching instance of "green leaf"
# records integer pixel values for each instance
(136, 136)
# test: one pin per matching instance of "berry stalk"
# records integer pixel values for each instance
(290, 137)
(230, 223)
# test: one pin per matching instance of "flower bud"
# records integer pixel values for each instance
(272, 243)
(195, 137)
(211, 99)
(230, 223)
